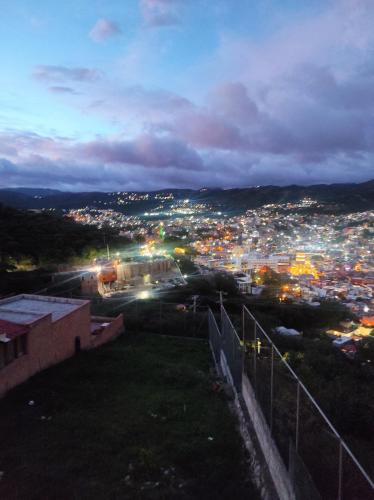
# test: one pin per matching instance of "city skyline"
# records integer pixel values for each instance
(153, 94)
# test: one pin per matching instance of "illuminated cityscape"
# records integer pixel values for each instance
(187, 250)
(324, 256)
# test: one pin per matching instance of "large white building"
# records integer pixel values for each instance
(253, 261)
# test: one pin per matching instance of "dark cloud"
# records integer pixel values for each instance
(227, 171)
(62, 90)
(296, 107)
(50, 73)
(206, 130)
(232, 101)
(146, 150)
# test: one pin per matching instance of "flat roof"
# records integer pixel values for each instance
(28, 308)
(18, 316)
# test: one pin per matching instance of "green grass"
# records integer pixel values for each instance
(130, 420)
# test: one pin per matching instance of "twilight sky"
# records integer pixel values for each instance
(147, 94)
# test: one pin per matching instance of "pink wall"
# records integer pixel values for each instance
(49, 343)
(110, 332)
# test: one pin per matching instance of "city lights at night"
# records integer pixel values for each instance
(187, 250)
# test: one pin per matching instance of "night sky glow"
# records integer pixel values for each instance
(148, 94)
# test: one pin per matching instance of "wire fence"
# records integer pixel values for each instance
(231, 347)
(305, 437)
(319, 462)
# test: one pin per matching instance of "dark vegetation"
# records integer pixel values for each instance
(40, 239)
(342, 387)
(335, 197)
(135, 419)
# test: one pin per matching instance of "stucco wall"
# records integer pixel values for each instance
(110, 332)
(50, 342)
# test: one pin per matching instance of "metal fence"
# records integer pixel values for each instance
(319, 462)
(226, 347)
(215, 338)
(232, 349)
(310, 446)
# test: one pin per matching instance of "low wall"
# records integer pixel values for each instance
(277, 469)
(49, 343)
(111, 331)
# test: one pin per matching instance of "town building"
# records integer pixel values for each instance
(37, 332)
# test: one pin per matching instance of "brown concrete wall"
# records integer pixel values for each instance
(39, 347)
(89, 284)
(47, 344)
(112, 331)
(64, 331)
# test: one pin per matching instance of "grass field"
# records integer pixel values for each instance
(134, 419)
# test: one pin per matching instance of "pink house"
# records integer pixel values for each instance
(37, 332)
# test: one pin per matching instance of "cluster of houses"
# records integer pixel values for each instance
(349, 334)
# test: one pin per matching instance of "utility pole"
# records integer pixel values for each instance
(194, 304)
(195, 297)
(221, 308)
(161, 330)
(107, 244)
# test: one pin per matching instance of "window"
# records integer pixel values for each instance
(12, 350)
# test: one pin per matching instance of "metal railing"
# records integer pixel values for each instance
(231, 346)
(320, 463)
(299, 426)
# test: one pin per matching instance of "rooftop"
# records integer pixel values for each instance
(25, 309)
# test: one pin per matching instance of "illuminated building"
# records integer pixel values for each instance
(302, 265)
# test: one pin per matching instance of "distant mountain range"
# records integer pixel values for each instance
(333, 197)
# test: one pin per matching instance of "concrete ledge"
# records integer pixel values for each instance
(277, 469)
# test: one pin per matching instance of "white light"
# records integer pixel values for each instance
(143, 295)
(185, 276)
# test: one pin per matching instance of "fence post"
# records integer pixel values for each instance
(254, 358)
(160, 317)
(271, 388)
(136, 316)
(221, 308)
(340, 479)
(297, 416)
(233, 345)
(243, 340)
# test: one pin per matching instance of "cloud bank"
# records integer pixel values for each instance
(296, 107)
